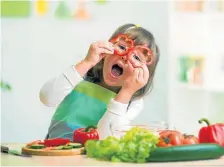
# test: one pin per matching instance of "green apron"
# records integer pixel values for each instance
(84, 106)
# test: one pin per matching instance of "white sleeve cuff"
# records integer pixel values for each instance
(117, 107)
(72, 75)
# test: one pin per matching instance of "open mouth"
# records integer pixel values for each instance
(116, 70)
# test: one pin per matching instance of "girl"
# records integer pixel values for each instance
(117, 74)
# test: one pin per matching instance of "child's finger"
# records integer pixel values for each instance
(141, 75)
(145, 72)
(102, 55)
(136, 73)
(103, 51)
(105, 45)
(130, 67)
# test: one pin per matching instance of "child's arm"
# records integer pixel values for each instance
(56, 89)
(118, 114)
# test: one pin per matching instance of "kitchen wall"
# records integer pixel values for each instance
(35, 49)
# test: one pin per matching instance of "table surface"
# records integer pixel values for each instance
(82, 160)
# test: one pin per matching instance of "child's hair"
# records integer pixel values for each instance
(140, 36)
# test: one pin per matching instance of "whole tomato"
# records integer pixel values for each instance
(190, 139)
(170, 138)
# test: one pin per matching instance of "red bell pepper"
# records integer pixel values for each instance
(56, 142)
(81, 135)
(211, 133)
(131, 50)
(125, 39)
(149, 58)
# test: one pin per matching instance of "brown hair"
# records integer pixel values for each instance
(140, 36)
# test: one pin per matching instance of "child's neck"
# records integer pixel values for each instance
(113, 89)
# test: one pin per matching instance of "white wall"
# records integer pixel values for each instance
(35, 49)
(196, 33)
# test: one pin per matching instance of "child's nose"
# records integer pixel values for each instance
(124, 58)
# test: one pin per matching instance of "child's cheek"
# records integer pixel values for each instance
(129, 68)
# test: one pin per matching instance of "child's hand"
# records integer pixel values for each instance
(135, 78)
(97, 51)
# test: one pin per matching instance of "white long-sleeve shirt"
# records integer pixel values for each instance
(118, 114)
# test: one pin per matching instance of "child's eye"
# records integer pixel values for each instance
(136, 57)
(122, 47)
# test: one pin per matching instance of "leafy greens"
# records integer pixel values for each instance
(134, 146)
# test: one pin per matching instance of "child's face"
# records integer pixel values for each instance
(114, 70)
(116, 67)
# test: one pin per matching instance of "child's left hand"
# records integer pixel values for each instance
(135, 78)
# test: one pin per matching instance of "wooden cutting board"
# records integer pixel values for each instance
(44, 152)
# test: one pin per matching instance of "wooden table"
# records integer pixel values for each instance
(81, 160)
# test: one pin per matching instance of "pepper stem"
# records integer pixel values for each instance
(90, 127)
(204, 120)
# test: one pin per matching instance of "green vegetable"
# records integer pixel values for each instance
(186, 153)
(75, 145)
(102, 149)
(134, 146)
(67, 147)
(58, 148)
(37, 146)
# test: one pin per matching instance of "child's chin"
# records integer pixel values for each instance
(114, 83)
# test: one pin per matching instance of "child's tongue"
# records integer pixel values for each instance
(116, 72)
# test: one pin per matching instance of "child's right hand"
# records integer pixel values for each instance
(97, 51)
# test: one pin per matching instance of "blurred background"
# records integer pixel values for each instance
(40, 38)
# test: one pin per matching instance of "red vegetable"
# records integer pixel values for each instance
(170, 138)
(147, 53)
(123, 39)
(81, 135)
(124, 46)
(190, 139)
(56, 142)
(211, 133)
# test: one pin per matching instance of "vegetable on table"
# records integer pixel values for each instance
(37, 146)
(190, 139)
(82, 135)
(211, 133)
(134, 146)
(56, 142)
(170, 138)
(186, 153)
(75, 145)
(140, 145)
(67, 147)
(174, 138)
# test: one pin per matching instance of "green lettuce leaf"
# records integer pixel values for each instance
(134, 146)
